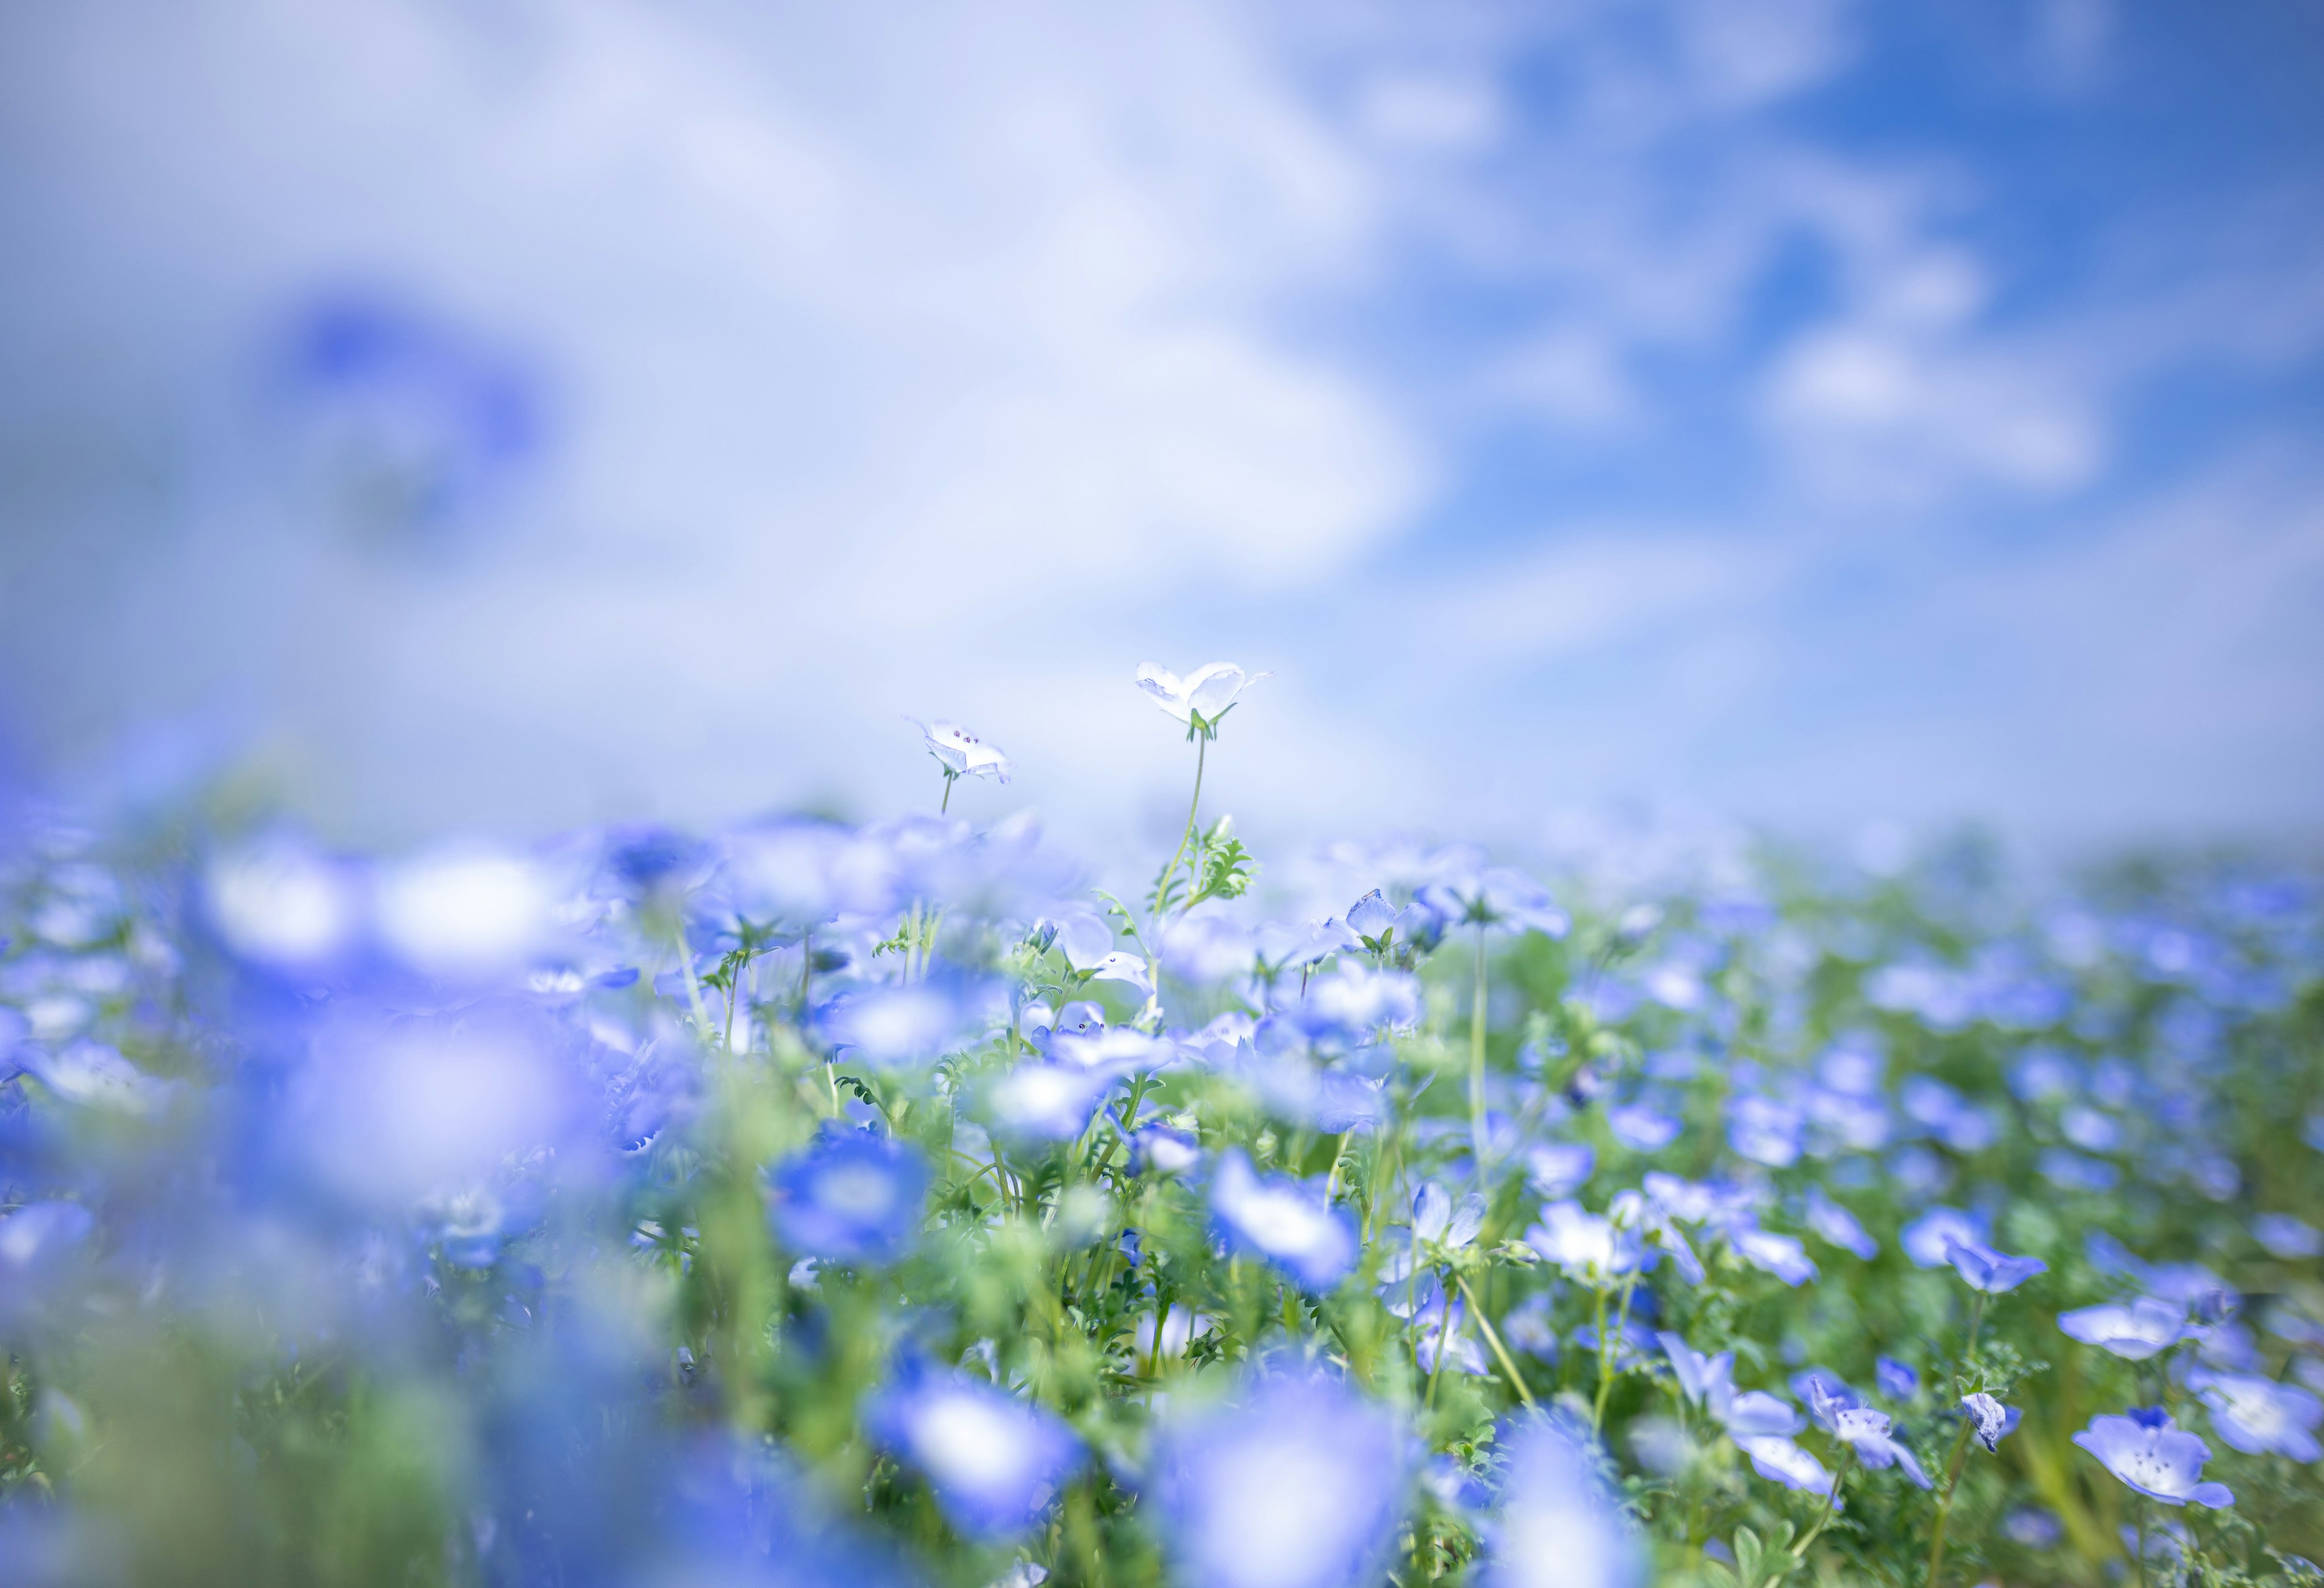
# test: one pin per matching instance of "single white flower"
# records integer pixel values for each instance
(962, 752)
(1200, 697)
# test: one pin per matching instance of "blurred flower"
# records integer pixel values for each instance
(1989, 1420)
(1764, 1130)
(1642, 1128)
(1832, 1222)
(1047, 1102)
(960, 753)
(1282, 1221)
(1780, 1255)
(1896, 1380)
(2134, 1331)
(1587, 1247)
(1556, 1169)
(1927, 1239)
(2286, 1237)
(1776, 1458)
(994, 1462)
(913, 1024)
(2259, 1416)
(2152, 1455)
(278, 903)
(1497, 896)
(1202, 698)
(851, 1197)
(1558, 1527)
(1159, 1150)
(463, 912)
(1301, 1486)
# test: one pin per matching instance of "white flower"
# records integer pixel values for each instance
(962, 751)
(1200, 697)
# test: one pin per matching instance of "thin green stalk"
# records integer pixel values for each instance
(1605, 1348)
(1476, 1060)
(1161, 888)
(1501, 1351)
(1945, 1505)
(1831, 1508)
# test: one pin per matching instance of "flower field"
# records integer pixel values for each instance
(804, 1203)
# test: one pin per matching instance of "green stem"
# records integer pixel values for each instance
(1501, 1352)
(1605, 1348)
(1831, 1508)
(1476, 1060)
(1193, 808)
(2142, 1521)
(1945, 1505)
(946, 804)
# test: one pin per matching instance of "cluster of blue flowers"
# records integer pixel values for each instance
(812, 1205)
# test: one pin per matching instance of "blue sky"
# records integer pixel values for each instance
(1817, 413)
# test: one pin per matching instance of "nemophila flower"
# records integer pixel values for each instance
(2259, 1416)
(463, 913)
(849, 1196)
(1777, 1459)
(1557, 1168)
(1642, 1128)
(1300, 1486)
(961, 753)
(994, 1462)
(2291, 1239)
(1584, 1245)
(1764, 1130)
(1558, 1527)
(1440, 1333)
(1753, 1414)
(1041, 1100)
(1633, 1210)
(1159, 1150)
(279, 903)
(1707, 1382)
(1830, 1222)
(2033, 1526)
(1896, 1380)
(1989, 1271)
(1200, 698)
(1286, 1223)
(2151, 1453)
(2134, 1330)
(1991, 1421)
(1926, 1240)
(37, 1241)
(1867, 1433)
(1345, 1008)
(1780, 1255)
(91, 1075)
(1382, 927)
(1498, 897)
(915, 1024)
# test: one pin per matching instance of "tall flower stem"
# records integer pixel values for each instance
(1959, 1451)
(1476, 1060)
(1193, 808)
(1493, 1339)
(1830, 1507)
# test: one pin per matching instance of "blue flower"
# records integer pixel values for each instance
(1777, 1459)
(1764, 1129)
(2134, 1331)
(851, 1197)
(1991, 1421)
(1558, 1169)
(994, 1462)
(1780, 1255)
(1286, 1223)
(1867, 1433)
(960, 752)
(1587, 1247)
(1301, 1486)
(1991, 1271)
(1641, 1128)
(1926, 1239)
(2260, 1415)
(1832, 1222)
(1558, 1525)
(1202, 698)
(1897, 1379)
(1496, 896)
(2153, 1455)
(1041, 1102)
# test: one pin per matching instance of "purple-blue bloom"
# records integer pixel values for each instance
(2153, 1456)
(1558, 1527)
(1897, 1379)
(2259, 1416)
(2134, 1331)
(1991, 1421)
(1927, 1240)
(994, 1462)
(1991, 1271)
(1287, 1223)
(1300, 1486)
(1832, 1222)
(1780, 1255)
(850, 1197)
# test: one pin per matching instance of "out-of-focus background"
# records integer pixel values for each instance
(487, 413)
